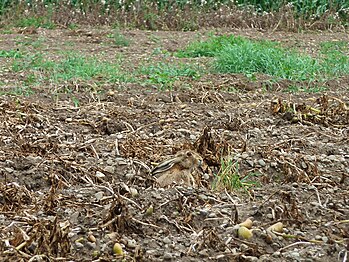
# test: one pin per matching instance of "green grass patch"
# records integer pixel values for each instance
(31, 41)
(17, 91)
(163, 75)
(72, 67)
(240, 55)
(6, 31)
(210, 47)
(266, 58)
(230, 178)
(335, 57)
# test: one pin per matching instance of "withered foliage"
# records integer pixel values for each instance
(325, 110)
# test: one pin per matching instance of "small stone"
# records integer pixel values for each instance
(91, 245)
(333, 158)
(203, 212)
(79, 196)
(168, 256)
(324, 239)
(249, 258)
(250, 162)
(304, 165)
(203, 197)
(129, 176)
(273, 164)
(133, 192)
(166, 240)
(318, 237)
(299, 233)
(294, 255)
(276, 254)
(131, 243)
(204, 252)
(8, 170)
(244, 155)
(79, 245)
(212, 215)
(109, 169)
(99, 195)
(151, 252)
(99, 174)
(261, 162)
(157, 196)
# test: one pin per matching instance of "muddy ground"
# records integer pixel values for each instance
(75, 178)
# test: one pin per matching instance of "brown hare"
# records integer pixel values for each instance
(178, 170)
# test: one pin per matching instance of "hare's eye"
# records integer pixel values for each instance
(189, 153)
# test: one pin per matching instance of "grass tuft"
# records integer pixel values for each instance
(119, 39)
(230, 178)
(241, 55)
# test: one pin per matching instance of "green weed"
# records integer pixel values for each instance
(230, 178)
(73, 26)
(119, 39)
(309, 89)
(18, 91)
(164, 75)
(14, 53)
(76, 101)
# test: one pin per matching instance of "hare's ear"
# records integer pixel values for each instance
(164, 166)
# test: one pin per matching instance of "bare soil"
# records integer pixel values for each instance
(74, 180)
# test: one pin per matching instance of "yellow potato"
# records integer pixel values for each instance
(247, 223)
(277, 227)
(244, 232)
(117, 249)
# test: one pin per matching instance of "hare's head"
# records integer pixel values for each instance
(189, 159)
